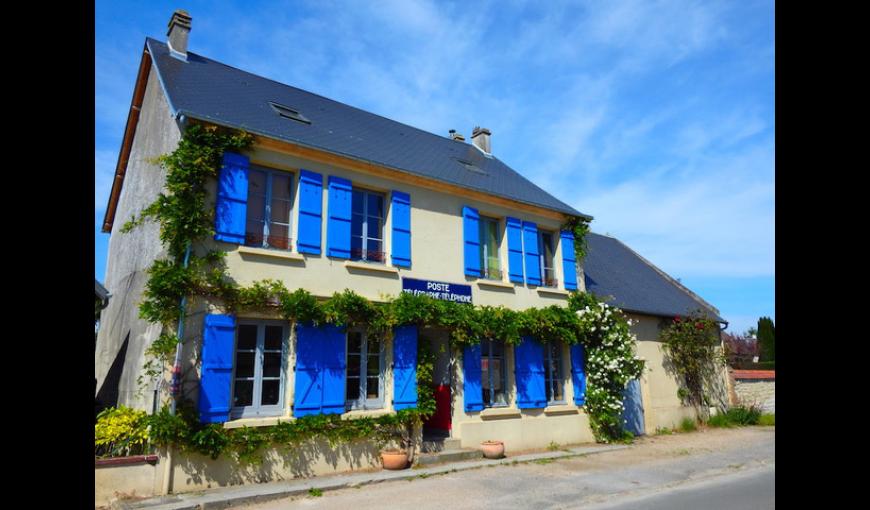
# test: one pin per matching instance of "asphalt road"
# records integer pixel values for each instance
(711, 469)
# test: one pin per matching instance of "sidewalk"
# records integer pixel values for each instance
(225, 497)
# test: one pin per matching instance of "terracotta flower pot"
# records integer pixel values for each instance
(492, 449)
(394, 459)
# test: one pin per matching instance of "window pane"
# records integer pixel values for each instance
(497, 349)
(256, 208)
(270, 394)
(373, 367)
(272, 364)
(376, 206)
(243, 394)
(256, 183)
(352, 389)
(280, 211)
(274, 336)
(254, 233)
(356, 224)
(279, 236)
(357, 203)
(247, 337)
(353, 363)
(281, 186)
(372, 387)
(354, 341)
(244, 364)
(375, 251)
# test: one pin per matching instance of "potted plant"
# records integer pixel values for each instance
(492, 449)
(394, 458)
(402, 432)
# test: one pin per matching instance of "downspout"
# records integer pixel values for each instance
(175, 387)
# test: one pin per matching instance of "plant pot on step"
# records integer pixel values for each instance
(492, 449)
(394, 459)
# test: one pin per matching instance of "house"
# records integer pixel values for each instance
(330, 198)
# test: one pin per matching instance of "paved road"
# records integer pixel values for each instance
(711, 469)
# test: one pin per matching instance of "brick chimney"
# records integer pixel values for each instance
(480, 139)
(179, 29)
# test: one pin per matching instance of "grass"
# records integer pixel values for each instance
(688, 425)
(737, 416)
(768, 420)
(315, 492)
(543, 461)
(553, 446)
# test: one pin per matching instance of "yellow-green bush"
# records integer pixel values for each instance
(121, 431)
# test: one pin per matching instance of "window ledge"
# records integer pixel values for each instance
(371, 267)
(253, 422)
(551, 290)
(494, 283)
(561, 409)
(495, 413)
(279, 254)
(365, 413)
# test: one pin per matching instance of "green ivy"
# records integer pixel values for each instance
(691, 348)
(580, 227)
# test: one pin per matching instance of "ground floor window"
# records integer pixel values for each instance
(493, 375)
(365, 370)
(553, 373)
(258, 370)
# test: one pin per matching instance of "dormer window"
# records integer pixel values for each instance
(289, 113)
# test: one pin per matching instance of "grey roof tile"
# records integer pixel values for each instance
(208, 90)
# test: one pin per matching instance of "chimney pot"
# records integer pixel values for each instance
(456, 136)
(480, 137)
(179, 29)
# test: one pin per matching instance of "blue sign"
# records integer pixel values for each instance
(438, 290)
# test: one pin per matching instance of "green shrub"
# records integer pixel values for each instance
(720, 421)
(768, 420)
(738, 416)
(688, 425)
(120, 431)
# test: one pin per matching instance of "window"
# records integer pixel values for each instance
(489, 248)
(553, 372)
(289, 113)
(493, 376)
(365, 371)
(269, 203)
(367, 226)
(546, 249)
(258, 371)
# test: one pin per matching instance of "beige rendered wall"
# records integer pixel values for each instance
(137, 480)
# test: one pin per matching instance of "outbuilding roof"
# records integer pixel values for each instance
(208, 90)
(616, 273)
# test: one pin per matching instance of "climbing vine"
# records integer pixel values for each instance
(691, 349)
(580, 227)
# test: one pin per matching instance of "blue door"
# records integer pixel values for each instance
(632, 415)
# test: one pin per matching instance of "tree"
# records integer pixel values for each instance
(766, 339)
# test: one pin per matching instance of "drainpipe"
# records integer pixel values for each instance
(175, 388)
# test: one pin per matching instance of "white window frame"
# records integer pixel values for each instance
(542, 265)
(551, 379)
(488, 343)
(255, 409)
(362, 402)
(365, 237)
(267, 207)
(485, 270)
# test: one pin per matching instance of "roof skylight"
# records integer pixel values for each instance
(290, 113)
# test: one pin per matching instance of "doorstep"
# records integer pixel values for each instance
(224, 497)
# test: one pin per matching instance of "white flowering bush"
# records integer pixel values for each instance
(610, 364)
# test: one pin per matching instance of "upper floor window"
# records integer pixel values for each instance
(489, 248)
(258, 380)
(493, 376)
(269, 203)
(365, 370)
(367, 226)
(547, 250)
(553, 372)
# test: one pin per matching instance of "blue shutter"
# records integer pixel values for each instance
(310, 212)
(405, 367)
(533, 261)
(515, 249)
(569, 260)
(338, 226)
(471, 233)
(578, 373)
(472, 391)
(308, 393)
(231, 208)
(529, 371)
(401, 242)
(334, 346)
(215, 383)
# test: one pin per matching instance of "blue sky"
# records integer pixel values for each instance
(657, 118)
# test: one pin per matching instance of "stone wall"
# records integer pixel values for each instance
(761, 392)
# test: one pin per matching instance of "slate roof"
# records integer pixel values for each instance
(613, 269)
(208, 90)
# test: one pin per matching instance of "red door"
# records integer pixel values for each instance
(441, 419)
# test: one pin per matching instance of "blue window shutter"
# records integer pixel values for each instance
(334, 346)
(338, 226)
(578, 373)
(515, 249)
(530, 245)
(310, 212)
(405, 367)
(569, 260)
(309, 387)
(401, 242)
(529, 371)
(215, 383)
(231, 208)
(471, 233)
(472, 390)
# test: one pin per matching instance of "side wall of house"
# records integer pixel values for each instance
(131, 254)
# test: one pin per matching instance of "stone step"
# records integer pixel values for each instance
(435, 445)
(449, 456)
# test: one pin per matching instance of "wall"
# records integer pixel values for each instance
(131, 253)
(761, 392)
(135, 480)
